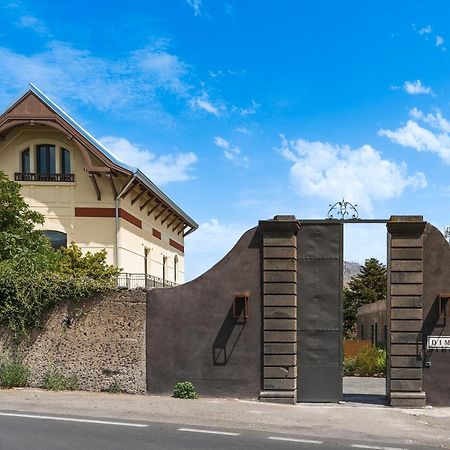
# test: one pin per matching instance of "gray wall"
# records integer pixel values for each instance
(192, 335)
(436, 267)
(373, 317)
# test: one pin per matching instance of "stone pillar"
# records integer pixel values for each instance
(405, 311)
(279, 267)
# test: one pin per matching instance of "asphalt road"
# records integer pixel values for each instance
(23, 431)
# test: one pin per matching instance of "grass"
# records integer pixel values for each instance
(13, 373)
(54, 380)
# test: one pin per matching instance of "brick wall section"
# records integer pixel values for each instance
(279, 309)
(405, 311)
(104, 342)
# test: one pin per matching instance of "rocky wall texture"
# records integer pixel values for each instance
(100, 340)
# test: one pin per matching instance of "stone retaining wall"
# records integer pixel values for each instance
(99, 340)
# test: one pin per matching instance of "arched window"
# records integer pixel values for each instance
(45, 159)
(56, 238)
(65, 161)
(25, 161)
(175, 268)
(164, 274)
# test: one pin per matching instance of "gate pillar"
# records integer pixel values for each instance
(279, 266)
(405, 311)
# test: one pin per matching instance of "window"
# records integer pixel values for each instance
(56, 238)
(45, 159)
(164, 269)
(175, 268)
(25, 163)
(65, 161)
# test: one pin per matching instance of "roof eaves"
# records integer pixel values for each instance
(152, 186)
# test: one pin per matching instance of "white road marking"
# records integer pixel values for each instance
(70, 419)
(304, 441)
(196, 430)
(375, 447)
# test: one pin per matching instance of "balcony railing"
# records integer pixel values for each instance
(60, 177)
(140, 280)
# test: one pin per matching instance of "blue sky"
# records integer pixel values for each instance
(243, 110)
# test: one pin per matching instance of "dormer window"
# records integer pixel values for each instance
(65, 161)
(25, 161)
(45, 159)
(45, 162)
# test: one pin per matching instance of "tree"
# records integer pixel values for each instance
(34, 277)
(20, 243)
(369, 286)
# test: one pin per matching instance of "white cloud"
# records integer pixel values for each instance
(209, 244)
(33, 23)
(229, 10)
(416, 87)
(243, 130)
(332, 172)
(426, 30)
(128, 85)
(196, 6)
(439, 41)
(416, 136)
(231, 152)
(202, 102)
(160, 169)
(249, 110)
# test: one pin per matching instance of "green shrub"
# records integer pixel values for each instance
(185, 389)
(54, 380)
(13, 373)
(114, 387)
(368, 362)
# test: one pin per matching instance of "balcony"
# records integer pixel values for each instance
(141, 280)
(58, 177)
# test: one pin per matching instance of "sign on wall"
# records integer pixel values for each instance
(438, 343)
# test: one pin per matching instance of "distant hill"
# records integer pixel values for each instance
(350, 269)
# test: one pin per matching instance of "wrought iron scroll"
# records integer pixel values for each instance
(344, 209)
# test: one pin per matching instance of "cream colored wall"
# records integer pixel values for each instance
(57, 202)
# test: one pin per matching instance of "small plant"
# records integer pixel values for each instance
(54, 380)
(185, 389)
(114, 387)
(368, 362)
(13, 373)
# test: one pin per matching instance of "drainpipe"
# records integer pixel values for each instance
(117, 203)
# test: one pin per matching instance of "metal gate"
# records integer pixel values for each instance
(319, 335)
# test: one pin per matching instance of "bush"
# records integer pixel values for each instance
(185, 389)
(54, 380)
(114, 387)
(13, 373)
(25, 297)
(368, 362)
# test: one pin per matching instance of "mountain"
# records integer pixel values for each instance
(350, 269)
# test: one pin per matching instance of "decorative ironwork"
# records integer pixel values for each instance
(59, 177)
(344, 209)
(141, 280)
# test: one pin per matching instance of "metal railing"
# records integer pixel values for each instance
(60, 177)
(141, 280)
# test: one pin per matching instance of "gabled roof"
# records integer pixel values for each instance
(134, 171)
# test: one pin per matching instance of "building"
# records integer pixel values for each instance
(90, 197)
(372, 322)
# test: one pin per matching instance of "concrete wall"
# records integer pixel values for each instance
(192, 335)
(372, 322)
(105, 342)
(57, 202)
(436, 272)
